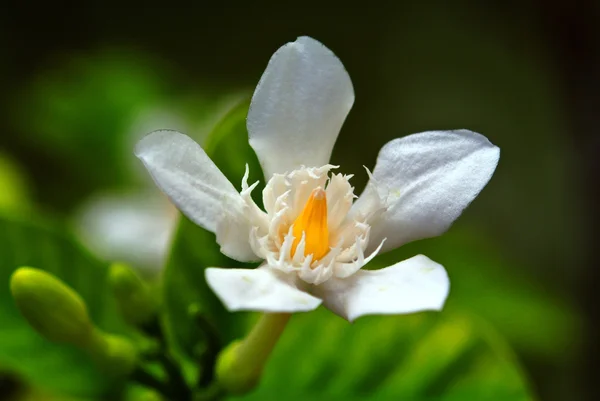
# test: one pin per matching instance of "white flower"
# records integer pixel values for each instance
(133, 227)
(312, 237)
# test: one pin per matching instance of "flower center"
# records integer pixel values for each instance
(313, 223)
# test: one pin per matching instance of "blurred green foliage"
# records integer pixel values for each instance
(90, 110)
(84, 115)
(529, 314)
(424, 356)
(14, 187)
(454, 354)
(83, 110)
(55, 367)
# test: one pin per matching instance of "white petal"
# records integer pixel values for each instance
(340, 195)
(184, 172)
(299, 107)
(262, 289)
(430, 178)
(416, 284)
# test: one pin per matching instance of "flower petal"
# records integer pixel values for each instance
(413, 285)
(184, 172)
(262, 289)
(429, 178)
(299, 107)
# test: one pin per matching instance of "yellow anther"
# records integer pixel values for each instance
(313, 223)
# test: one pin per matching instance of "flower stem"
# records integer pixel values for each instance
(261, 340)
(175, 377)
(144, 378)
(207, 354)
(240, 365)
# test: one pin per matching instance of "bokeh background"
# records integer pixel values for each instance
(82, 81)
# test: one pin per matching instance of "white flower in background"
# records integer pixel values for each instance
(313, 236)
(134, 228)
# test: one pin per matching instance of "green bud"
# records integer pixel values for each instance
(59, 314)
(134, 297)
(51, 307)
(115, 355)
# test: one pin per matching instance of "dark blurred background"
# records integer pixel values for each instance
(83, 80)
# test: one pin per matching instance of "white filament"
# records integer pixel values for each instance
(284, 198)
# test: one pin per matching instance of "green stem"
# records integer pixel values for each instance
(116, 355)
(144, 378)
(211, 393)
(175, 376)
(257, 346)
(176, 381)
(207, 357)
(240, 365)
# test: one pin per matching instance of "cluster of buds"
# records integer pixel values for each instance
(59, 314)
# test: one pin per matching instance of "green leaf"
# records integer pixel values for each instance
(426, 356)
(194, 248)
(228, 146)
(55, 367)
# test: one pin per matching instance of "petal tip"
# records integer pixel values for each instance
(152, 141)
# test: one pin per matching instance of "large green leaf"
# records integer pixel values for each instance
(426, 356)
(194, 248)
(59, 368)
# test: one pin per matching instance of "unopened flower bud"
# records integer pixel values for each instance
(51, 307)
(133, 295)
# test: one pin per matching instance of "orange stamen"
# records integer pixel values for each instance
(313, 223)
